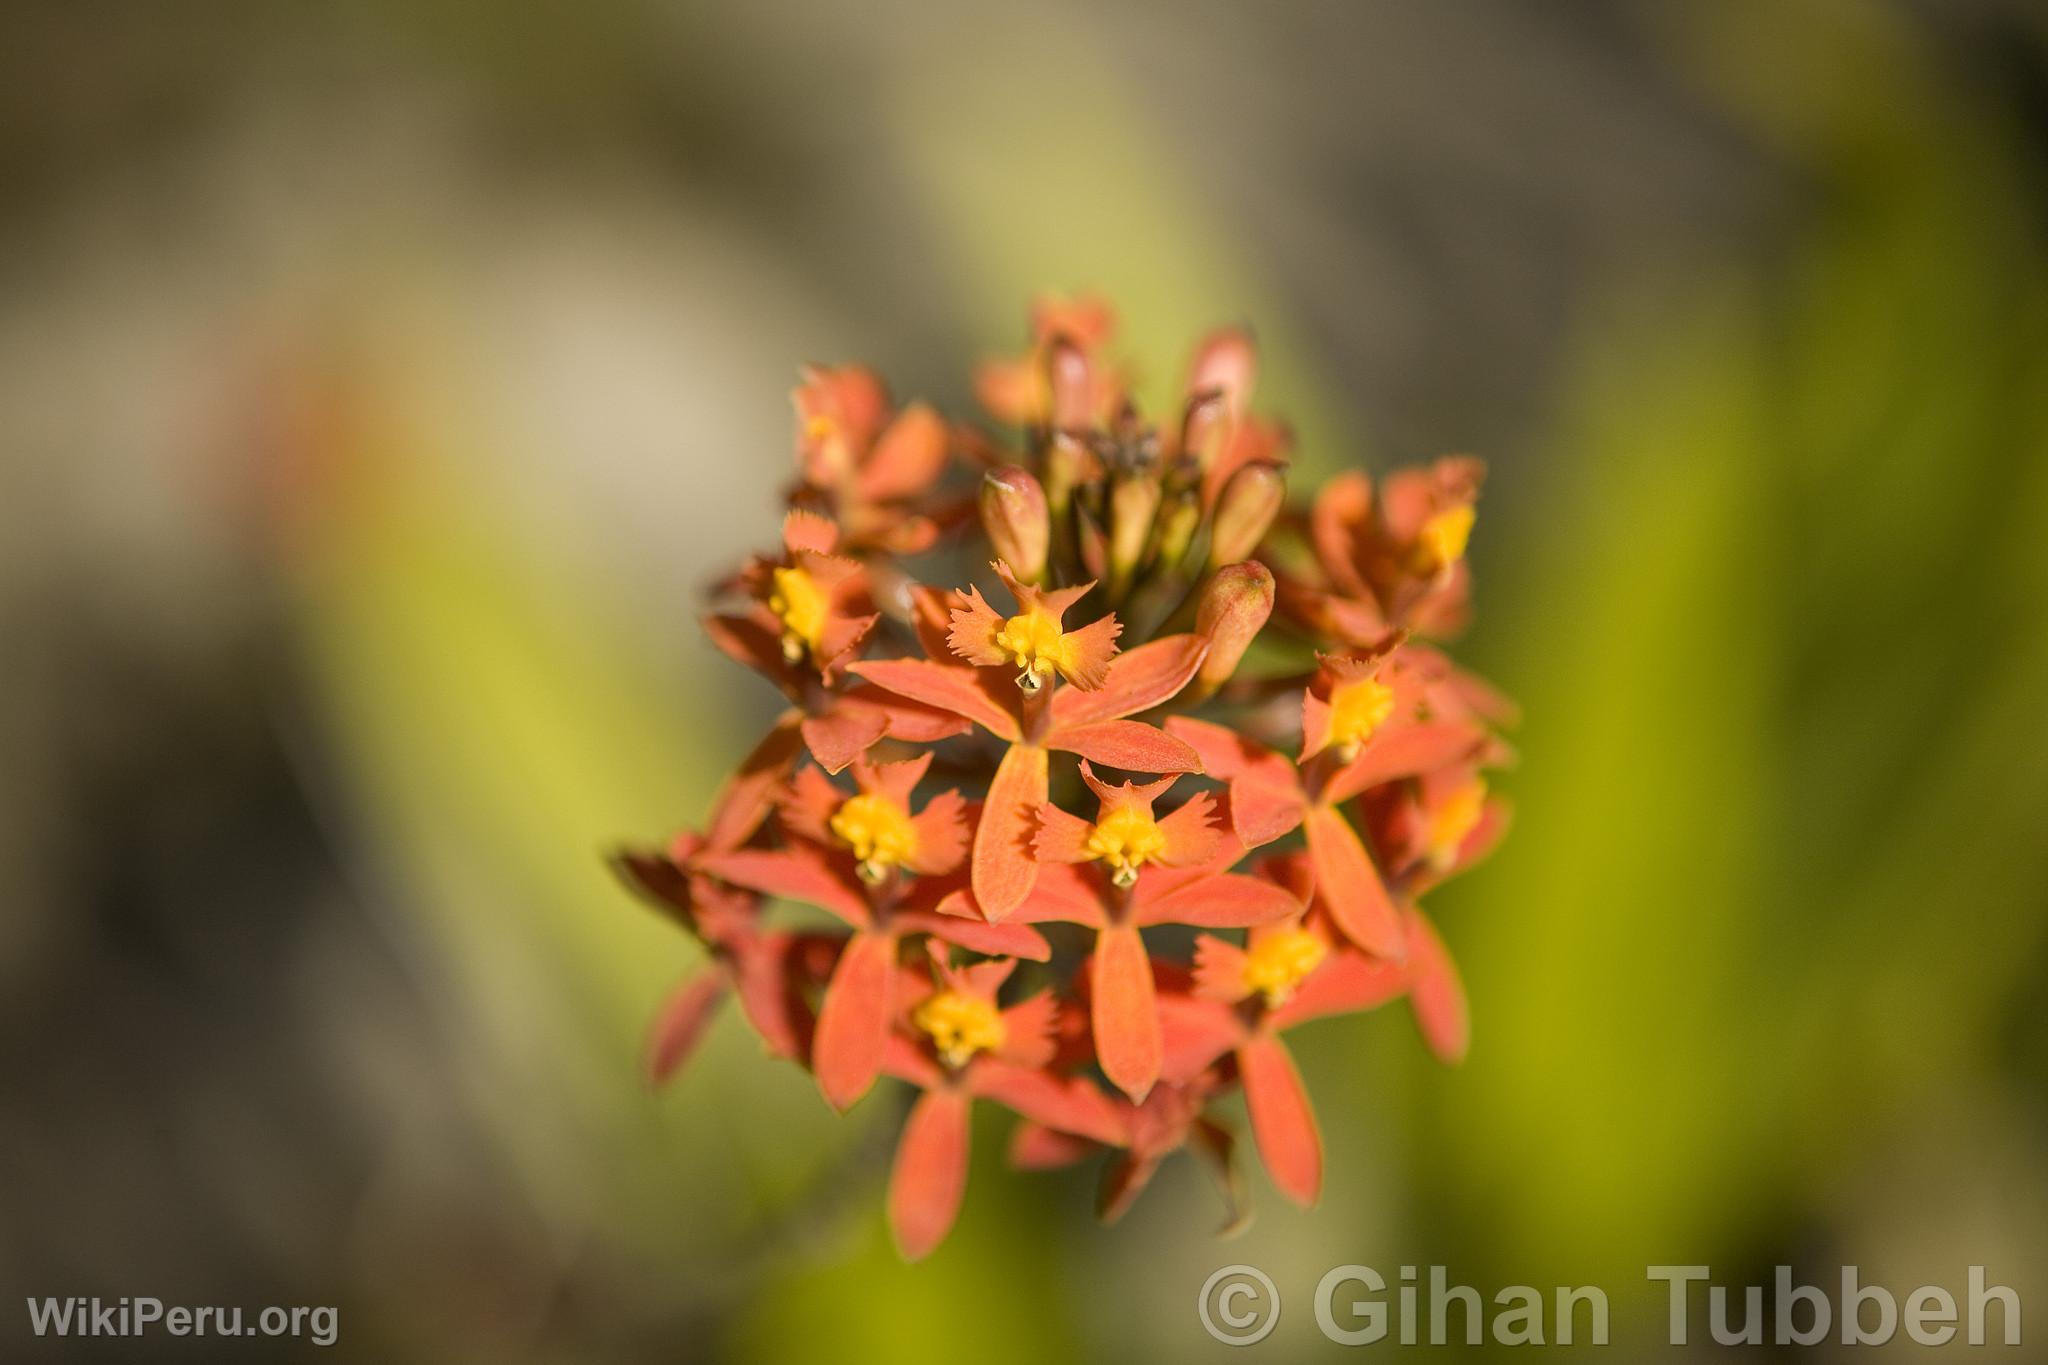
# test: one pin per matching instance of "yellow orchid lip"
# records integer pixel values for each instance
(802, 607)
(1357, 709)
(1454, 819)
(1034, 640)
(1126, 839)
(960, 1025)
(878, 830)
(1277, 964)
(1443, 538)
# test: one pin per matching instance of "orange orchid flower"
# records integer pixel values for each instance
(1364, 722)
(957, 1045)
(853, 1018)
(1121, 974)
(1037, 717)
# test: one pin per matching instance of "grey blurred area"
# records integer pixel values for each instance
(232, 1074)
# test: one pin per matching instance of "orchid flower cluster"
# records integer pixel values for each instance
(1106, 767)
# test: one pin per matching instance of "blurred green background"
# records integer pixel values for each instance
(379, 384)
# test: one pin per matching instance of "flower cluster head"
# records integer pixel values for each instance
(1048, 696)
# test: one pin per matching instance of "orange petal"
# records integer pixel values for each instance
(1191, 835)
(910, 721)
(807, 805)
(1002, 869)
(1094, 646)
(1138, 680)
(930, 1174)
(1124, 1016)
(1061, 837)
(1403, 751)
(752, 643)
(1072, 1104)
(1123, 1180)
(1063, 894)
(1339, 514)
(893, 780)
(1128, 744)
(1219, 970)
(1011, 390)
(941, 834)
(1265, 789)
(800, 872)
(1028, 1026)
(768, 978)
(908, 458)
(680, 1024)
(842, 734)
(1035, 1147)
(978, 936)
(1348, 981)
(973, 629)
(1436, 993)
(1226, 901)
(945, 686)
(748, 795)
(1350, 885)
(1194, 1032)
(1283, 1124)
(853, 1021)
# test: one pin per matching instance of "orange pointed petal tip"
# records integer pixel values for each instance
(929, 1177)
(853, 1020)
(1123, 1015)
(1002, 867)
(1436, 993)
(1349, 885)
(1283, 1122)
(681, 1023)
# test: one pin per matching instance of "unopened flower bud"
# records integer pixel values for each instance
(1245, 510)
(1014, 514)
(1067, 467)
(1233, 610)
(1133, 507)
(1178, 522)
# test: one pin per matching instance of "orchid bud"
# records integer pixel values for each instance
(1178, 522)
(1233, 610)
(1245, 510)
(1014, 515)
(1067, 464)
(1133, 506)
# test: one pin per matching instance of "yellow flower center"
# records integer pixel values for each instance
(1442, 542)
(1356, 710)
(1126, 839)
(959, 1025)
(801, 605)
(1278, 963)
(1035, 641)
(1456, 818)
(878, 831)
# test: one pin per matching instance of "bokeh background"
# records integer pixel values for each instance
(380, 383)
